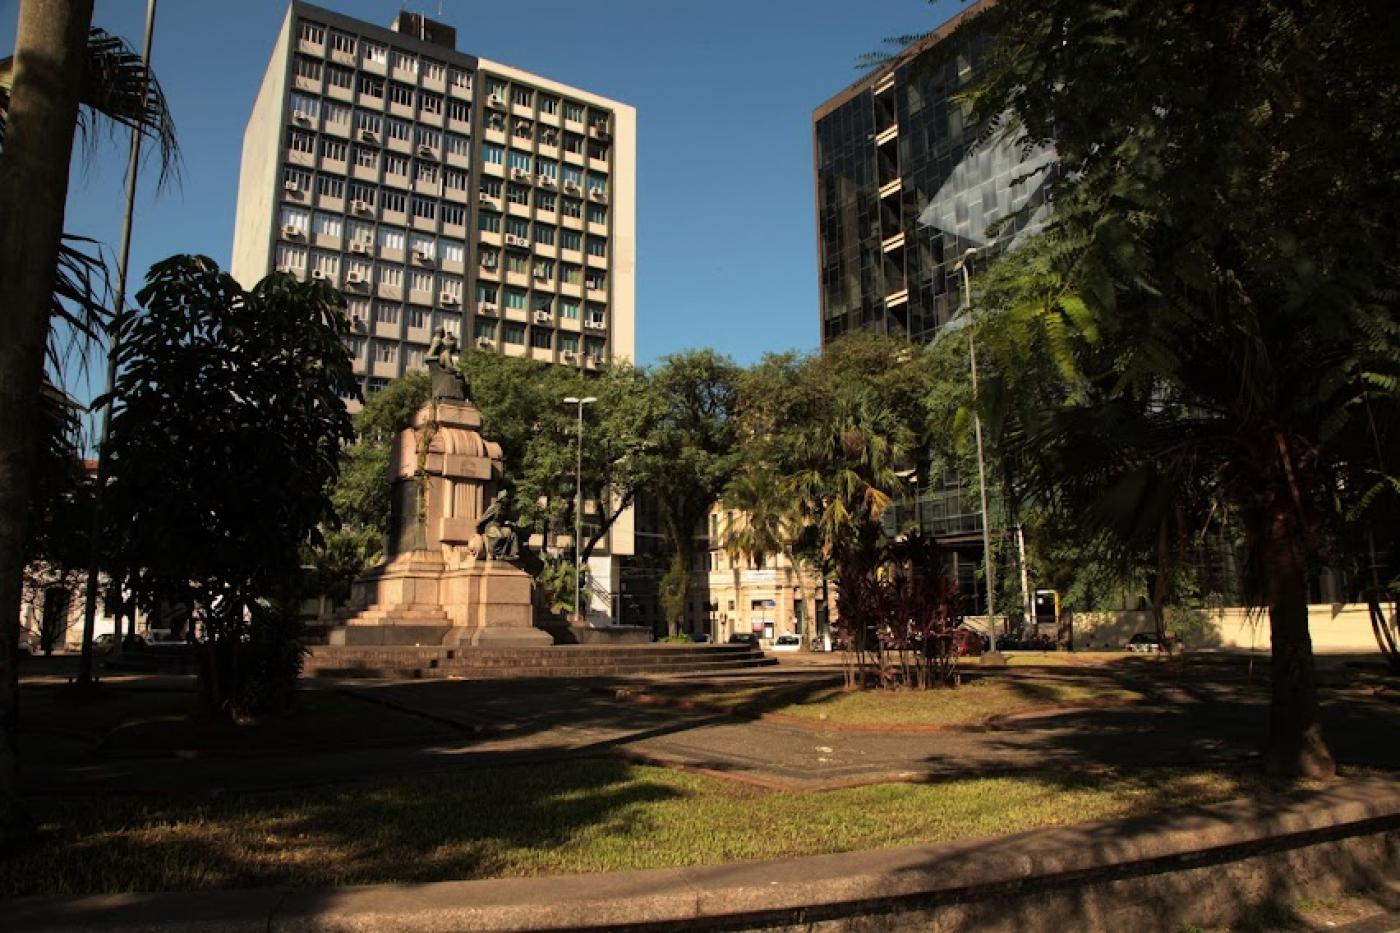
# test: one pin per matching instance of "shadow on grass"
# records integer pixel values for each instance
(414, 829)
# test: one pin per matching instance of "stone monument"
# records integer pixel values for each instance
(451, 576)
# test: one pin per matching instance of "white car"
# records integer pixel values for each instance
(787, 643)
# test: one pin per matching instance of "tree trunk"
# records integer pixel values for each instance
(50, 55)
(1296, 745)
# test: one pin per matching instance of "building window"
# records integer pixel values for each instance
(489, 188)
(396, 165)
(596, 315)
(434, 71)
(515, 299)
(484, 330)
(516, 262)
(541, 338)
(368, 123)
(454, 251)
(425, 208)
(299, 178)
(572, 176)
(489, 221)
(546, 201)
(568, 343)
(454, 180)
(293, 217)
(521, 96)
(370, 86)
(425, 172)
(518, 194)
(597, 182)
(568, 308)
(327, 225)
(573, 112)
(430, 138)
(595, 280)
(340, 42)
(328, 264)
(308, 68)
(573, 207)
(400, 130)
(385, 352)
(392, 200)
(544, 234)
(359, 191)
(461, 80)
(597, 214)
(357, 309)
(549, 104)
(366, 157)
(424, 246)
(431, 103)
(297, 141)
(572, 275)
(571, 239)
(337, 114)
(459, 145)
(454, 215)
(405, 62)
(518, 226)
(337, 76)
(543, 270)
(520, 160)
(573, 143)
(420, 282)
(391, 276)
(360, 232)
(305, 105)
(514, 333)
(413, 358)
(493, 154)
(400, 94)
(333, 149)
(495, 88)
(308, 31)
(376, 54)
(459, 110)
(547, 168)
(485, 293)
(597, 246)
(329, 187)
(290, 257)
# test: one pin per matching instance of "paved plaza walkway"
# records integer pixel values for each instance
(495, 722)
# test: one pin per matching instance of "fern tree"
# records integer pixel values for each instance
(1222, 276)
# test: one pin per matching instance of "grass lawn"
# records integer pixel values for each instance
(579, 816)
(143, 721)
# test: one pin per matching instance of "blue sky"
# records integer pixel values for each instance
(724, 90)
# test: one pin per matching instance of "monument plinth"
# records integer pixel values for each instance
(451, 577)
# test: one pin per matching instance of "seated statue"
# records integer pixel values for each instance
(441, 358)
(497, 527)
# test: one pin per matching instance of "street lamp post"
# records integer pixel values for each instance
(578, 501)
(981, 460)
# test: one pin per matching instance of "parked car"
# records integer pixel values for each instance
(787, 643)
(1145, 643)
(700, 638)
(744, 638)
(967, 643)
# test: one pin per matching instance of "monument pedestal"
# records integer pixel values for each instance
(440, 586)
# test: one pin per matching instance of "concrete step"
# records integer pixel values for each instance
(396, 672)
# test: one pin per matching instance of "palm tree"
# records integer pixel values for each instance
(62, 76)
(767, 522)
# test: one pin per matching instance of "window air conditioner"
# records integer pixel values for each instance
(291, 186)
(291, 231)
(486, 343)
(355, 278)
(358, 247)
(369, 136)
(319, 274)
(301, 116)
(546, 181)
(486, 307)
(542, 317)
(448, 298)
(568, 356)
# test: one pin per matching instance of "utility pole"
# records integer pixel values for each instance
(578, 502)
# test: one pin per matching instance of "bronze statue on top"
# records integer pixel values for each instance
(499, 532)
(441, 358)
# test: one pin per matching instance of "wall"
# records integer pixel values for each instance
(1335, 628)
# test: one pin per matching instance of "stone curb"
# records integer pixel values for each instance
(771, 894)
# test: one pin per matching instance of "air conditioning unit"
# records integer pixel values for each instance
(301, 116)
(447, 298)
(568, 356)
(488, 262)
(592, 360)
(488, 200)
(358, 247)
(422, 258)
(495, 100)
(485, 343)
(598, 132)
(598, 194)
(319, 274)
(291, 187)
(596, 325)
(543, 317)
(291, 231)
(369, 136)
(571, 187)
(354, 278)
(361, 207)
(514, 240)
(486, 307)
(519, 174)
(545, 181)
(427, 152)
(541, 275)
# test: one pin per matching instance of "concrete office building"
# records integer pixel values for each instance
(902, 192)
(442, 190)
